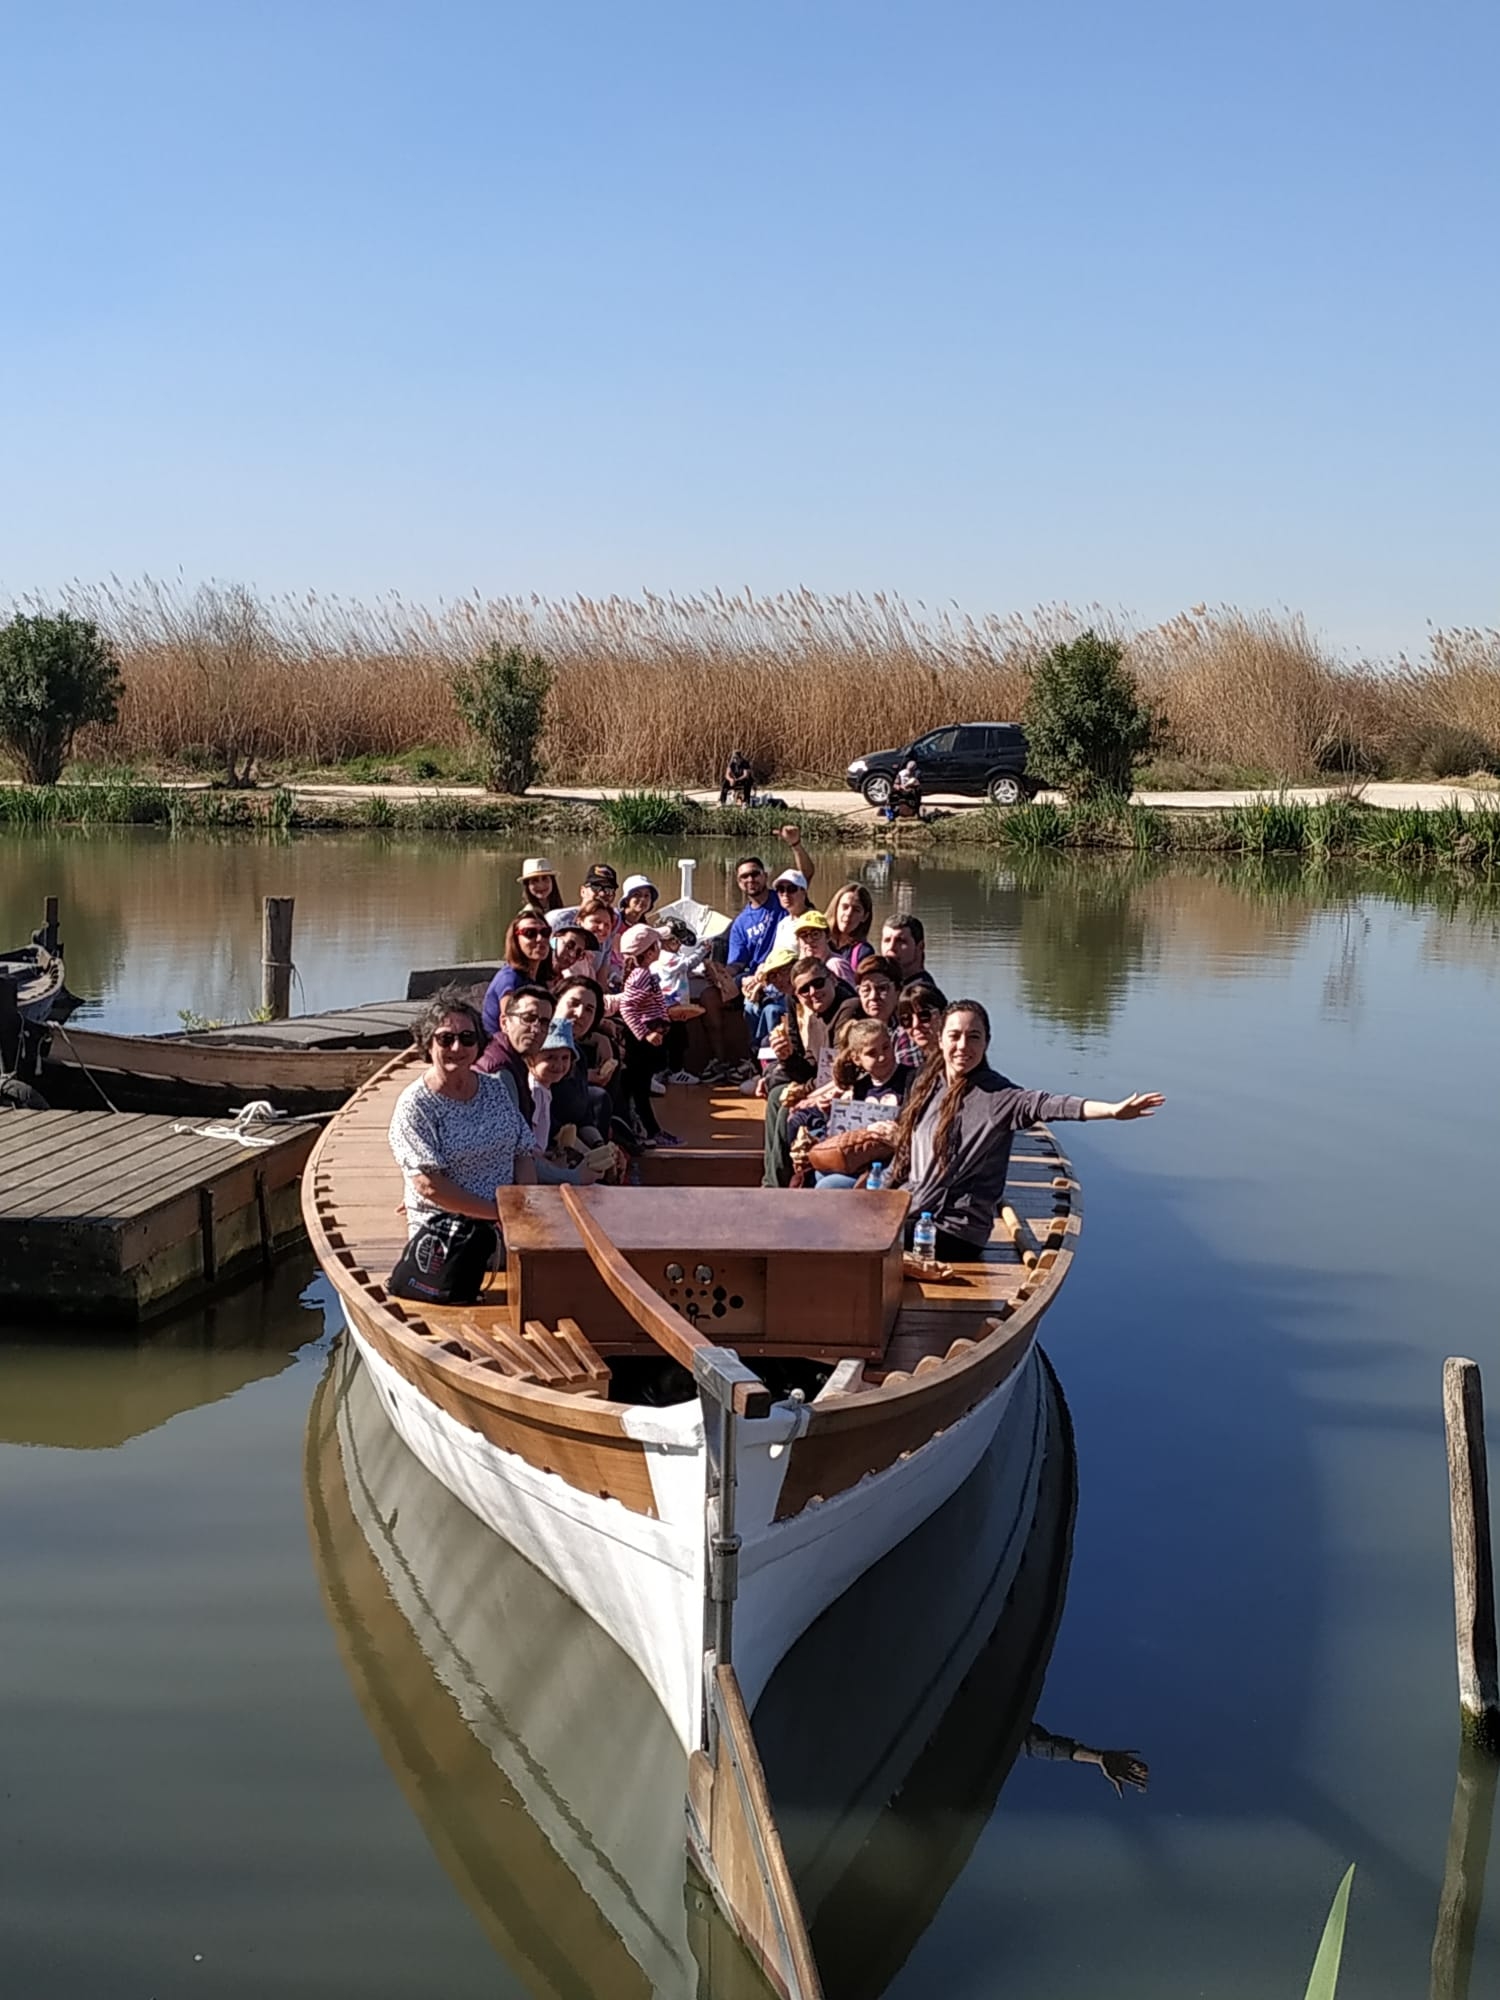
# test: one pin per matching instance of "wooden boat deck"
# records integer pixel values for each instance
(379, 1024)
(723, 1133)
(118, 1215)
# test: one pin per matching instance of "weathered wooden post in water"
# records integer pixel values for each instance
(276, 957)
(1473, 1558)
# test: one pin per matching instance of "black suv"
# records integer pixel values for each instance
(978, 760)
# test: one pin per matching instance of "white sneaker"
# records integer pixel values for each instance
(658, 1086)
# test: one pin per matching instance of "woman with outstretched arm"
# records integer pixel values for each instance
(954, 1135)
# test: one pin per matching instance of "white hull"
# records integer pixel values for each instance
(642, 1579)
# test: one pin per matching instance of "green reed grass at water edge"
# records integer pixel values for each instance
(1338, 828)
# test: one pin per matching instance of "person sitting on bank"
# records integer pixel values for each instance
(905, 801)
(953, 1138)
(526, 961)
(738, 779)
(539, 890)
(803, 1044)
(457, 1133)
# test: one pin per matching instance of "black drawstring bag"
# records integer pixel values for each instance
(444, 1262)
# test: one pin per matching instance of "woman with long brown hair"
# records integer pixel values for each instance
(526, 961)
(539, 890)
(850, 914)
(954, 1134)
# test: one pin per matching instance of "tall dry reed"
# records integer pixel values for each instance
(657, 690)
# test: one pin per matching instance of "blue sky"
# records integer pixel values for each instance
(1140, 305)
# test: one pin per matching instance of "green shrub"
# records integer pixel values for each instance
(56, 675)
(1087, 723)
(502, 696)
(638, 813)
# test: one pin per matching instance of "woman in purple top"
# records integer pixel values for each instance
(527, 962)
(954, 1135)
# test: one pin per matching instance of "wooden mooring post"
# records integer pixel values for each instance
(1473, 1557)
(276, 956)
(49, 925)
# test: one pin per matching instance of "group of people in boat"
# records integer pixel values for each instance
(552, 1077)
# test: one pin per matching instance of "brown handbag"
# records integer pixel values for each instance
(850, 1152)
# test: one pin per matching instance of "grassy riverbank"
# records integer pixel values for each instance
(636, 815)
(1341, 828)
(663, 688)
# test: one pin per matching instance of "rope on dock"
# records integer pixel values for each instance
(249, 1127)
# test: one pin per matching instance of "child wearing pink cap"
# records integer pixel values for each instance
(643, 1010)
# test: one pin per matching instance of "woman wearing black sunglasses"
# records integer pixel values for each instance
(457, 1134)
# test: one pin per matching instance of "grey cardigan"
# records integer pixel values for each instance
(964, 1192)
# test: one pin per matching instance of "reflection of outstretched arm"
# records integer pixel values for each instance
(1121, 1767)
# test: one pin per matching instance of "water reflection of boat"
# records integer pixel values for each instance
(550, 1781)
(131, 1386)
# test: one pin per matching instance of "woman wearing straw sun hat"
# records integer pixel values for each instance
(539, 890)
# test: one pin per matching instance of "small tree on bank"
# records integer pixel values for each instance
(502, 696)
(1087, 723)
(57, 674)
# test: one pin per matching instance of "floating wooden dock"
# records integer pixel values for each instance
(119, 1216)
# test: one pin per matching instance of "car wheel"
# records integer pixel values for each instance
(1006, 790)
(877, 788)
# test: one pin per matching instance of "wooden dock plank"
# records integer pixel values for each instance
(116, 1215)
(117, 1146)
(65, 1147)
(176, 1164)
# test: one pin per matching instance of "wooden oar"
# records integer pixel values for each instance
(731, 1822)
(650, 1311)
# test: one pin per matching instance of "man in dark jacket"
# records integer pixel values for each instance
(804, 1044)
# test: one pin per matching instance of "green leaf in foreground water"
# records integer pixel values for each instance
(1325, 1972)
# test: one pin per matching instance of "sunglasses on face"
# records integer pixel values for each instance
(912, 1016)
(810, 986)
(530, 1020)
(449, 1038)
(529, 932)
(787, 889)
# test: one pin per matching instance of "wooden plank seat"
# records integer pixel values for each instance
(560, 1357)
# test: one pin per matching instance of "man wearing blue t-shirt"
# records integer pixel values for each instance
(752, 930)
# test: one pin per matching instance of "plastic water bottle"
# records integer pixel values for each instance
(876, 1176)
(924, 1238)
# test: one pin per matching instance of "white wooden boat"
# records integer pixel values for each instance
(704, 1534)
(549, 1781)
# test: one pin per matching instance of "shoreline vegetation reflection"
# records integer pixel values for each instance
(1341, 828)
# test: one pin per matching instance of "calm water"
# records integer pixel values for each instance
(1251, 1347)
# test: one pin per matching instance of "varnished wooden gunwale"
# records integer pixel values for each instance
(969, 1337)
